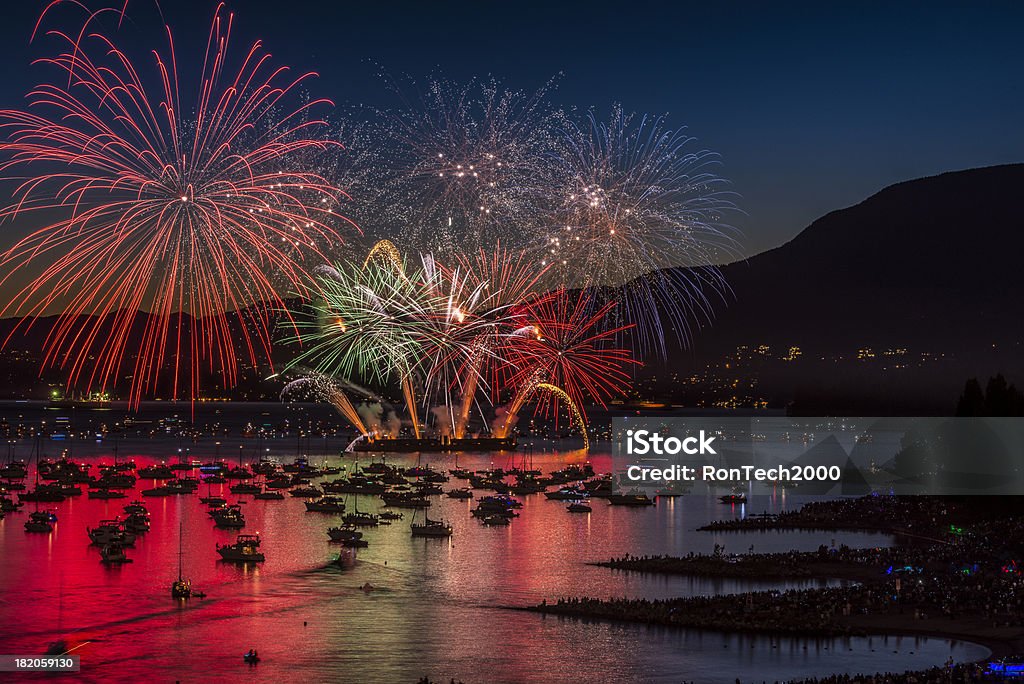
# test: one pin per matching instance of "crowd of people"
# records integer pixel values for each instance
(786, 564)
(958, 562)
(950, 674)
(915, 514)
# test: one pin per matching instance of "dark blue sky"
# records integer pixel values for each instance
(813, 106)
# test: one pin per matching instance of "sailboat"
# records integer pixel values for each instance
(431, 528)
(182, 588)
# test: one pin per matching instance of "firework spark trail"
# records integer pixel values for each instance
(373, 321)
(510, 413)
(634, 209)
(509, 279)
(386, 250)
(563, 341)
(465, 162)
(573, 409)
(189, 219)
(324, 388)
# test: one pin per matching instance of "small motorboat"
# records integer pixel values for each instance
(105, 494)
(113, 553)
(38, 522)
(566, 494)
(578, 507)
(344, 533)
(733, 498)
(252, 657)
(495, 519)
(244, 550)
(354, 543)
(463, 493)
(136, 507)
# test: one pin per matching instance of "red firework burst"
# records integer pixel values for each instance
(561, 340)
(198, 211)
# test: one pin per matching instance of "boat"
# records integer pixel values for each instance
(136, 507)
(182, 588)
(733, 498)
(431, 528)
(158, 491)
(184, 485)
(46, 493)
(229, 517)
(245, 488)
(112, 480)
(213, 500)
(464, 493)
(269, 496)
(361, 519)
(110, 531)
(9, 505)
(496, 519)
(404, 500)
(238, 473)
(137, 523)
(106, 494)
(578, 507)
(634, 500)
(340, 534)
(325, 504)
(246, 549)
(498, 504)
(113, 554)
(156, 472)
(567, 494)
(356, 484)
(427, 489)
(573, 473)
(38, 522)
(527, 486)
(391, 515)
(252, 657)
(14, 470)
(355, 543)
(306, 492)
(299, 465)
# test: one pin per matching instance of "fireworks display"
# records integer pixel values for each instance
(635, 209)
(193, 209)
(440, 334)
(465, 163)
(559, 339)
(546, 249)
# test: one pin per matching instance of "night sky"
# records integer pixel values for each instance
(813, 106)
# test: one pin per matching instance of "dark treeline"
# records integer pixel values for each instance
(999, 398)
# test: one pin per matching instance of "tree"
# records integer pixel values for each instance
(972, 401)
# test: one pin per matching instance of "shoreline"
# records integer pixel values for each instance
(1008, 643)
(824, 570)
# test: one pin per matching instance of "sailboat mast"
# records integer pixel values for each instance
(180, 527)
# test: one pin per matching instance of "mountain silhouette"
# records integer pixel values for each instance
(931, 261)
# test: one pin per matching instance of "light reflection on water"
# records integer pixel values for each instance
(436, 610)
